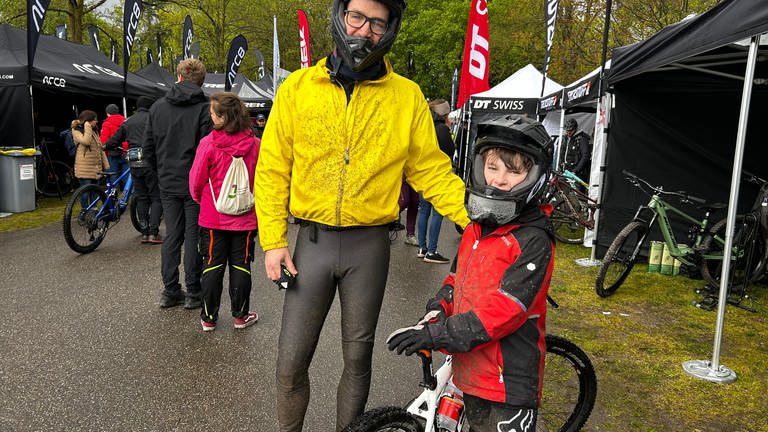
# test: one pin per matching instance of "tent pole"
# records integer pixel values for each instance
(712, 370)
(32, 107)
(590, 239)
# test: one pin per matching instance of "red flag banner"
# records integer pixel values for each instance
(476, 59)
(306, 61)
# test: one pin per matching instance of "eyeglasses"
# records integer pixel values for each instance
(357, 20)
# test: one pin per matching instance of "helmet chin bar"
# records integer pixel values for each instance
(360, 53)
(359, 50)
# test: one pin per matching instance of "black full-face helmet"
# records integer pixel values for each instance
(359, 53)
(487, 204)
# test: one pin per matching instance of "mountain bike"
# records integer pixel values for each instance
(92, 211)
(573, 210)
(705, 250)
(568, 395)
(752, 237)
(53, 177)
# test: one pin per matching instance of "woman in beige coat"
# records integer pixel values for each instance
(89, 157)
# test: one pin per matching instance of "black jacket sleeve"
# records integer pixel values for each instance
(115, 141)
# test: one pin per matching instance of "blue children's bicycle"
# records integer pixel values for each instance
(92, 211)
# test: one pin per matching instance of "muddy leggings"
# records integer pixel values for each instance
(355, 262)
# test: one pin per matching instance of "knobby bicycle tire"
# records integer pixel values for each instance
(385, 419)
(58, 173)
(620, 258)
(570, 387)
(83, 232)
(137, 223)
(567, 227)
(711, 269)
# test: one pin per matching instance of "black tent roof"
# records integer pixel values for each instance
(252, 95)
(727, 22)
(65, 66)
(676, 111)
(158, 75)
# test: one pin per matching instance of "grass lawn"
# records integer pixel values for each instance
(637, 340)
(48, 210)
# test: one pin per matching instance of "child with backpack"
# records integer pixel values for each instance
(221, 181)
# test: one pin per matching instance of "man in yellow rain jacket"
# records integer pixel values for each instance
(339, 138)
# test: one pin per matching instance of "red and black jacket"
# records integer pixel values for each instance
(495, 299)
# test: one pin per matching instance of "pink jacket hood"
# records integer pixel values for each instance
(213, 157)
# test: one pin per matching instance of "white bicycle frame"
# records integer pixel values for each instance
(429, 399)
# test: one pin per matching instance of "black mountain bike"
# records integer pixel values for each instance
(53, 178)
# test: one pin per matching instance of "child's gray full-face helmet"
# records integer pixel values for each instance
(493, 206)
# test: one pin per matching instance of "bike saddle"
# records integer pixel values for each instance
(712, 207)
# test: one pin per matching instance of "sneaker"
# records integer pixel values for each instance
(208, 326)
(167, 301)
(421, 253)
(155, 239)
(248, 320)
(436, 258)
(399, 227)
(410, 240)
(144, 238)
(192, 303)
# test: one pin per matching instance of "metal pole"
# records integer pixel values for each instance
(712, 370)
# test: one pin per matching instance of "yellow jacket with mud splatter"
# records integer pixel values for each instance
(342, 164)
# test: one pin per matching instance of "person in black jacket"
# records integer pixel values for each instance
(175, 125)
(145, 189)
(578, 152)
(427, 237)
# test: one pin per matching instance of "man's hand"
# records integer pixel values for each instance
(410, 340)
(272, 260)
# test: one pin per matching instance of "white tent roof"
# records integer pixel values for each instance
(525, 83)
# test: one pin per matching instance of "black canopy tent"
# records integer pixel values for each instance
(64, 74)
(675, 116)
(158, 75)
(253, 96)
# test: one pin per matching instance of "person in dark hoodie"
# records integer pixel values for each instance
(225, 239)
(115, 154)
(490, 312)
(145, 189)
(175, 125)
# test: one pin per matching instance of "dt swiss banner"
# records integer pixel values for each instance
(131, 14)
(35, 15)
(476, 59)
(306, 61)
(237, 49)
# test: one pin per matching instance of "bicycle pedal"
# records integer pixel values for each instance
(708, 303)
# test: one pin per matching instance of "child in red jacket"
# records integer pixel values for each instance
(117, 162)
(490, 312)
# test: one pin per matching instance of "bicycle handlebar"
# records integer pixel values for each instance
(570, 175)
(682, 195)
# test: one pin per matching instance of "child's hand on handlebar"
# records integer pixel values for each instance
(410, 339)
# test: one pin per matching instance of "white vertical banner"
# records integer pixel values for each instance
(275, 55)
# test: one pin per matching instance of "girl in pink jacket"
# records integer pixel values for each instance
(225, 239)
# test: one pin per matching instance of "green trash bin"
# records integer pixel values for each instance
(17, 180)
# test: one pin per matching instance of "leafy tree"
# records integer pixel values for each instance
(429, 46)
